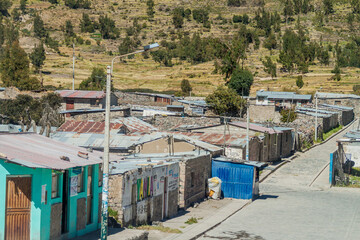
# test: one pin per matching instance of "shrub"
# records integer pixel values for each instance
(288, 115)
(78, 4)
(299, 82)
(186, 87)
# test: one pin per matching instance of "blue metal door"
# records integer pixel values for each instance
(237, 179)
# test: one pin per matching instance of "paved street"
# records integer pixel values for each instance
(290, 208)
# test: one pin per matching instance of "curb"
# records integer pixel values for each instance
(319, 173)
(276, 168)
(217, 224)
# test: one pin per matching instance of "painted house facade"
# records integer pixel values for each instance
(281, 99)
(143, 191)
(49, 190)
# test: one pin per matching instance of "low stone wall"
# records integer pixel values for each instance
(262, 113)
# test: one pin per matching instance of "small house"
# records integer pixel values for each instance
(49, 190)
(281, 99)
(81, 99)
(348, 100)
(143, 190)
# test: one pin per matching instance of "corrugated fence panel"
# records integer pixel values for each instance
(237, 179)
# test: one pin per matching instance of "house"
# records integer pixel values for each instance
(349, 150)
(269, 136)
(97, 114)
(143, 190)
(195, 169)
(196, 107)
(348, 100)
(239, 179)
(286, 140)
(345, 114)
(49, 190)
(281, 99)
(326, 119)
(80, 99)
(175, 108)
(234, 144)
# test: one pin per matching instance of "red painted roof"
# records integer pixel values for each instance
(81, 94)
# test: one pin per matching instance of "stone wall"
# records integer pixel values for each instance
(263, 113)
(170, 122)
(96, 116)
(193, 179)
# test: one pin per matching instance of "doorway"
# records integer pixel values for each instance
(65, 200)
(18, 207)
(89, 195)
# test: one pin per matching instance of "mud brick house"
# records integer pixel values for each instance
(270, 149)
(345, 114)
(48, 189)
(143, 190)
(281, 99)
(144, 98)
(348, 100)
(80, 99)
(326, 119)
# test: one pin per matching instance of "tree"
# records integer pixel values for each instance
(162, 56)
(86, 25)
(107, 27)
(15, 15)
(241, 81)
(37, 58)
(270, 42)
(235, 3)
(178, 17)
(4, 7)
(328, 6)
(23, 5)
(225, 101)
(14, 68)
(97, 80)
(355, 4)
(53, 1)
(186, 87)
(299, 82)
(39, 28)
(150, 8)
(269, 66)
(288, 10)
(69, 29)
(86, 4)
(337, 73)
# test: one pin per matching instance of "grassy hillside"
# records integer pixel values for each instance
(145, 73)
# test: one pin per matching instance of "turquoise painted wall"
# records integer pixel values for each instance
(40, 212)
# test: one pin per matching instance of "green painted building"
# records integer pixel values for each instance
(48, 189)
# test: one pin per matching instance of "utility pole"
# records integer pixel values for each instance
(105, 188)
(73, 83)
(247, 130)
(316, 116)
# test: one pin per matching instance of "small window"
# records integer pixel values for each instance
(94, 102)
(55, 185)
(192, 179)
(80, 187)
(337, 102)
(100, 175)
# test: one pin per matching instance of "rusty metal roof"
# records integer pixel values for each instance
(218, 138)
(81, 94)
(132, 124)
(35, 151)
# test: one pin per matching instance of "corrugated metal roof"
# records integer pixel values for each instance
(254, 127)
(81, 94)
(313, 114)
(305, 109)
(198, 103)
(11, 128)
(283, 95)
(2, 89)
(35, 151)
(175, 106)
(120, 167)
(233, 140)
(240, 161)
(133, 125)
(336, 95)
(354, 134)
(338, 107)
(115, 109)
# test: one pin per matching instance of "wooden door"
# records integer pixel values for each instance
(18, 205)
(165, 198)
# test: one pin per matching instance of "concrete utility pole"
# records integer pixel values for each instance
(316, 117)
(73, 83)
(105, 188)
(247, 130)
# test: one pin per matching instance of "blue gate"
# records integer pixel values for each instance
(237, 179)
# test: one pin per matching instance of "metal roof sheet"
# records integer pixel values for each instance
(338, 107)
(198, 103)
(336, 95)
(120, 167)
(133, 125)
(35, 151)
(283, 95)
(354, 134)
(240, 161)
(305, 109)
(81, 94)
(313, 114)
(115, 109)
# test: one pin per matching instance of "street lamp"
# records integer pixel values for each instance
(105, 188)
